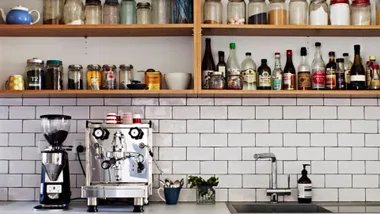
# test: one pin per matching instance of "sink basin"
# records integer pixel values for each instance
(275, 208)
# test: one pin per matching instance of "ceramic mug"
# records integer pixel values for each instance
(171, 195)
(15, 82)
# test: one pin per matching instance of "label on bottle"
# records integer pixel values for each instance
(277, 81)
(288, 81)
(264, 79)
(304, 81)
(223, 70)
(206, 74)
(305, 190)
(33, 81)
(357, 78)
(340, 84)
(369, 75)
(249, 76)
(318, 79)
(347, 74)
(330, 78)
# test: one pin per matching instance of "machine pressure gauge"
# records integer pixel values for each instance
(100, 133)
(136, 133)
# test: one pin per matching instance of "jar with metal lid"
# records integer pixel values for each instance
(128, 12)
(277, 14)
(111, 12)
(217, 81)
(53, 75)
(75, 77)
(109, 77)
(94, 77)
(153, 79)
(73, 12)
(360, 12)
(235, 81)
(93, 12)
(35, 74)
(53, 12)
(213, 12)
(339, 12)
(144, 14)
(236, 12)
(257, 12)
(161, 11)
(318, 12)
(125, 75)
(298, 12)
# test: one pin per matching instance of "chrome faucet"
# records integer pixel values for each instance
(273, 191)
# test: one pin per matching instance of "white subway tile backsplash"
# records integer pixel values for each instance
(42, 110)
(100, 112)
(30, 180)
(338, 181)
(249, 152)
(21, 139)
(10, 101)
(200, 126)
(244, 112)
(200, 153)
(372, 112)
(172, 101)
(351, 194)
(255, 101)
(186, 167)
(90, 101)
(242, 194)
(268, 139)
(337, 102)
(191, 140)
(21, 194)
(158, 112)
(4, 167)
(213, 167)
(228, 153)
(7, 126)
(63, 101)
(364, 126)
(77, 112)
(324, 167)
(363, 102)
(213, 112)
(230, 181)
(309, 101)
(165, 166)
(117, 101)
(294, 167)
(350, 112)
(241, 140)
(327, 140)
(309, 125)
(296, 140)
(337, 153)
(283, 126)
(318, 181)
(310, 153)
(268, 112)
(7, 180)
(228, 101)
(145, 101)
(325, 194)
(365, 181)
(21, 167)
(372, 167)
(283, 153)
(215, 140)
(164, 140)
(351, 167)
(4, 112)
(282, 101)
(255, 181)
(131, 109)
(337, 126)
(365, 154)
(255, 126)
(173, 126)
(228, 126)
(354, 140)
(172, 154)
(35, 101)
(373, 195)
(200, 101)
(296, 112)
(323, 112)
(22, 112)
(372, 140)
(186, 112)
(10, 153)
(241, 167)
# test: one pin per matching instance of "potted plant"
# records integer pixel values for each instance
(205, 189)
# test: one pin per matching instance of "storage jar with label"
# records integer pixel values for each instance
(161, 11)
(298, 12)
(53, 75)
(93, 12)
(73, 12)
(277, 14)
(94, 77)
(235, 81)
(236, 12)
(360, 12)
(109, 77)
(53, 12)
(128, 12)
(75, 81)
(339, 12)
(126, 76)
(35, 74)
(257, 12)
(213, 12)
(153, 79)
(111, 12)
(217, 81)
(144, 13)
(319, 12)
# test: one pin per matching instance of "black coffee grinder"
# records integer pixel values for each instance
(55, 178)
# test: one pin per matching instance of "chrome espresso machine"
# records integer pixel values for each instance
(118, 163)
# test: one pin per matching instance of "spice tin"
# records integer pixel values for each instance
(94, 77)
(153, 79)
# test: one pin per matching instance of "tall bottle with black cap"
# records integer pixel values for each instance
(304, 81)
(304, 187)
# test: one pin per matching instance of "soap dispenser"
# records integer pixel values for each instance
(304, 187)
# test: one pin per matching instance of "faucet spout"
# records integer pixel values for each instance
(265, 156)
(273, 183)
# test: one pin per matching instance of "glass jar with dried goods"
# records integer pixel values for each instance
(93, 12)
(125, 75)
(339, 12)
(144, 13)
(217, 81)
(318, 12)
(73, 12)
(298, 12)
(212, 12)
(94, 77)
(236, 12)
(153, 79)
(53, 11)
(235, 81)
(360, 12)
(128, 12)
(161, 11)
(35, 74)
(111, 12)
(75, 77)
(109, 77)
(277, 12)
(257, 12)
(53, 75)
(378, 12)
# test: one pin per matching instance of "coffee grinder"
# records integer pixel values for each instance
(55, 178)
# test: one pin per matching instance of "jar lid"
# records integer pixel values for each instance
(234, 73)
(372, 58)
(143, 5)
(75, 67)
(93, 67)
(236, 0)
(216, 73)
(54, 62)
(257, 1)
(93, 2)
(360, 2)
(108, 66)
(339, 2)
(112, 2)
(340, 60)
(35, 60)
(127, 67)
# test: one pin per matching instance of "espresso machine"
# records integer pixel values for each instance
(118, 164)
(55, 178)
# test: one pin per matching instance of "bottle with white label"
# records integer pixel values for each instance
(249, 73)
(304, 187)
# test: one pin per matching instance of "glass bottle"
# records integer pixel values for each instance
(212, 12)
(128, 12)
(161, 11)
(248, 72)
(126, 76)
(318, 69)
(94, 77)
(277, 14)
(289, 73)
(340, 78)
(277, 73)
(236, 12)
(369, 70)
(232, 61)
(235, 81)
(222, 66)
(73, 12)
(144, 13)
(347, 70)
(264, 76)
(331, 72)
(298, 12)
(93, 12)
(318, 12)
(75, 77)
(304, 80)
(35, 74)
(53, 75)
(217, 81)
(111, 12)
(378, 12)
(360, 12)
(182, 11)
(357, 71)
(257, 12)
(53, 12)
(109, 77)
(375, 81)
(208, 65)
(340, 12)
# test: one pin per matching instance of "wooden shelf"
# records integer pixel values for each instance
(289, 30)
(96, 30)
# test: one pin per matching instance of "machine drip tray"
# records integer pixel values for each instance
(120, 191)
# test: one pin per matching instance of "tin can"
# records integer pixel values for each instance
(153, 79)
(109, 77)
(94, 77)
(15, 82)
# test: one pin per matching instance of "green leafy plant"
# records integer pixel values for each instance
(197, 181)
(205, 190)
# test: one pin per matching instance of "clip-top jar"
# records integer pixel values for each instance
(94, 77)
(217, 81)
(73, 12)
(298, 12)
(360, 12)
(128, 12)
(319, 12)
(53, 75)
(161, 11)
(111, 12)
(236, 12)
(53, 12)
(277, 14)
(125, 75)
(35, 74)
(93, 12)
(75, 77)
(339, 12)
(213, 12)
(109, 77)
(257, 12)
(144, 14)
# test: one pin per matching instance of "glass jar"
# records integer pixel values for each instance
(35, 74)
(53, 75)
(75, 81)
(182, 11)
(93, 12)
(53, 12)
(94, 77)
(298, 12)
(111, 12)
(73, 12)
(144, 14)
(161, 11)
(217, 81)
(109, 77)
(257, 12)
(339, 12)
(378, 12)
(277, 12)
(235, 81)
(236, 12)
(126, 76)
(128, 12)
(213, 12)
(319, 12)
(360, 12)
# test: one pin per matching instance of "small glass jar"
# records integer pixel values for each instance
(75, 81)
(128, 12)
(53, 75)
(109, 77)
(212, 12)
(94, 77)
(318, 12)
(35, 74)
(144, 13)
(217, 81)
(111, 12)
(236, 12)
(161, 11)
(73, 12)
(235, 81)
(298, 12)
(93, 12)
(277, 14)
(257, 12)
(339, 12)
(360, 12)
(53, 12)
(126, 76)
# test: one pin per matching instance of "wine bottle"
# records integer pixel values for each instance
(289, 72)
(331, 72)
(357, 72)
(208, 65)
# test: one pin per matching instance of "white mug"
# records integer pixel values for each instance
(159, 194)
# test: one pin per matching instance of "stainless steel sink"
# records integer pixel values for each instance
(275, 208)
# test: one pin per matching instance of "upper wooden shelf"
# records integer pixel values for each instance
(96, 30)
(289, 30)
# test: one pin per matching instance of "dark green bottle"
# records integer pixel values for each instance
(264, 77)
(304, 187)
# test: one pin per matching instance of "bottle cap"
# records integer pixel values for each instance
(288, 52)
(357, 47)
(345, 54)
(340, 60)
(221, 53)
(263, 61)
(248, 54)
(317, 44)
(304, 171)
(277, 54)
(208, 40)
(303, 51)
(54, 62)
(331, 53)
(360, 2)
(232, 45)
(339, 2)
(372, 57)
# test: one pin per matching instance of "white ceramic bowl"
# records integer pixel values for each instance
(178, 81)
